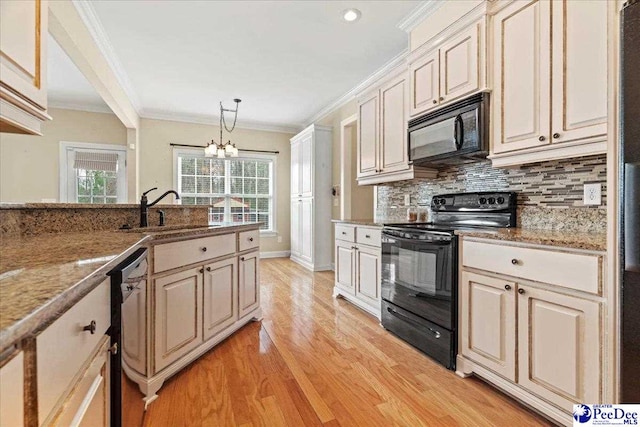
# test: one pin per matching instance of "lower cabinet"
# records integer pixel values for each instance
(249, 285)
(367, 277)
(345, 266)
(220, 306)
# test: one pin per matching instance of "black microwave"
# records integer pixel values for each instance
(458, 133)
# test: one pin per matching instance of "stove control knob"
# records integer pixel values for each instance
(483, 201)
(500, 200)
(443, 201)
(492, 200)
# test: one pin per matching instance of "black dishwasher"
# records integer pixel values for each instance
(126, 278)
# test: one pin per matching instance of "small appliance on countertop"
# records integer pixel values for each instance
(420, 269)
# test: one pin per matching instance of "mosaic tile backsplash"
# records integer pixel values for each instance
(549, 193)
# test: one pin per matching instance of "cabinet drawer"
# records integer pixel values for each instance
(575, 271)
(345, 232)
(64, 347)
(369, 236)
(178, 254)
(248, 240)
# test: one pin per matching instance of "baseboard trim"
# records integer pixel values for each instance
(275, 254)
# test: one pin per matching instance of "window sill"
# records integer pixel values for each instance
(268, 233)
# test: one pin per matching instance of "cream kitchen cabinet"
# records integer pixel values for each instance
(539, 341)
(550, 68)
(220, 306)
(382, 150)
(12, 390)
(358, 257)
(23, 66)
(452, 70)
(249, 292)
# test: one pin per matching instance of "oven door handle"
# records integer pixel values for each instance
(413, 322)
(418, 241)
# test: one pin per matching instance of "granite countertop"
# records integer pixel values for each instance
(42, 276)
(8, 205)
(566, 239)
(364, 222)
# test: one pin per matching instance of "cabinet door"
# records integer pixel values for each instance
(134, 336)
(425, 84)
(393, 126)
(296, 190)
(23, 38)
(344, 264)
(12, 392)
(459, 58)
(306, 229)
(220, 306)
(368, 110)
(249, 282)
(306, 166)
(559, 345)
(488, 322)
(296, 214)
(521, 76)
(178, 319)
(579, 69)
(368, 274)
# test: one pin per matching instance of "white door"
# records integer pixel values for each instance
(368, 271)
(559, 345)
(296, 190)
(178, 319)
(344, 264)
(393, 125)
(488, 322)
(306, 166)
(134, 336)
(522, 76)
(306, 230)
(580, 37)
(459, 73)
(368, 110)
(296, 235)
(425, 84)
(219, 307)
(249, 283)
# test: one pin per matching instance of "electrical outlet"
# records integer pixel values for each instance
(407, 199)
(592, 194)
(279, 239)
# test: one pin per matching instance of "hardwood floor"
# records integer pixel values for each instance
(318, 361)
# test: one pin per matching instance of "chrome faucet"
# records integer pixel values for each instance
(144, 206)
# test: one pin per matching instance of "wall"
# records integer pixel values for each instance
(549, 193)
(29, 164)
(156, 163)
(361, 195)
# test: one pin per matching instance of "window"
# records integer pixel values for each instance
(92, 173)
(238, 189)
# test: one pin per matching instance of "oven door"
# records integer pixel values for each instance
(418, 276)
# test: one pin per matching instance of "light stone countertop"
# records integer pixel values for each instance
(559, 238)
(42, 276)
(363, 222)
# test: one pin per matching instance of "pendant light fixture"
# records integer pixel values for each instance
(219, 149)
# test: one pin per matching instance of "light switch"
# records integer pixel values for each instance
(336, 201)
(592, 194)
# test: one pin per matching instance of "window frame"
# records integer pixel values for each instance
(242, 155)
(67, 191)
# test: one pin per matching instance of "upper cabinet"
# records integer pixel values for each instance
(23, 66)
(449, 71)
(550, 67)
(382, 133)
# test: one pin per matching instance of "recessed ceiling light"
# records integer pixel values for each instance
(351, 15)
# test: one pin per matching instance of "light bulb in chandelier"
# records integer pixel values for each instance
(222, 150)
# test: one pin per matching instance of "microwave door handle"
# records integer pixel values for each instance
(458, 132)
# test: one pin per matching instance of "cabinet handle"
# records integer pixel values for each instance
(435, 101)
(556, 135)
(201, 270)
(251, 239)
(507, 287)
(241, 258)
(541, 138)
(367, 236)
(204, 249)
(521, 291)
(113, 349)
(91, 327)
(515, 261)
(442, 98)
(344, 233)
(208, 268)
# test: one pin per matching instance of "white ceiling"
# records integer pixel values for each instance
(286, 60)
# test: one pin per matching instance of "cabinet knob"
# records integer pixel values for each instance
(241, 258)
(201, 270)
(507, 287)
(435, 101)
(113, 349)
(442, 98)
(515, 261)
(344, 233)
(91, 327)
(203, 249)
(521, 291)
(541, 138)
(367, 236)
(556, 135)
(208, 268)
(251, 239)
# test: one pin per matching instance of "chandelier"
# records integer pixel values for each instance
(219, 149)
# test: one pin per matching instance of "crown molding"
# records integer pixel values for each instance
(210, 120)
(89, 108)
(351, 94)
(88, 15)
(419, 14)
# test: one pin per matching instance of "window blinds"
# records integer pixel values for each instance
(97, 161)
